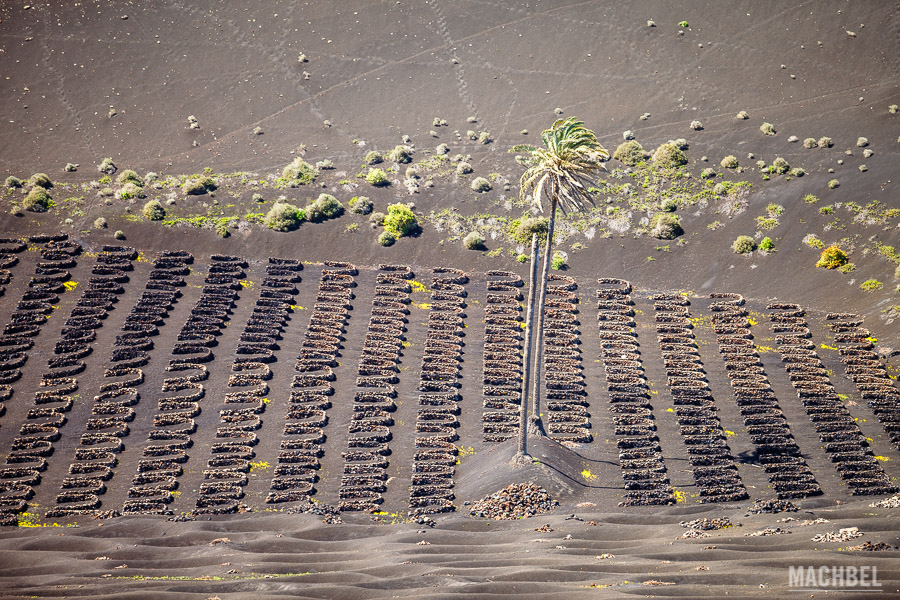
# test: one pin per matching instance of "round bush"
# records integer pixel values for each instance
(744, 244)
(729, 162)
(100, 223)
(780, 166)
(283, 217)
(400, 154)
(299, 172)
(480, 184)
(326, 206)
(40, 180)
(669, 156)
(377, 219)
(708, 173)
(463, 168)
(767, 244)
(767, 128)
(119, 234)
(130, 190)
(665, 226)
(825, 142)
(386, 238)
(13, 182)
(377, 177)
(832, 257)
(153, 211)
(37, 200)
(373, 158)
(558, 262)
(668, 205)
(400, 220)
(107, 166)
(810, 143)
(523, 229)
(193, 187)
(629, 153)
(360, 205)
(257, 198)
(474, 241)
(834, 183)
(129, 176)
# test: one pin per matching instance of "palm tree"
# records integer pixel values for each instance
(562, 170)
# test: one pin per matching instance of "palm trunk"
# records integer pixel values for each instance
(526, 357)
(536, 423)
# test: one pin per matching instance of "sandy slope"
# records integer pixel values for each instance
(381, 70)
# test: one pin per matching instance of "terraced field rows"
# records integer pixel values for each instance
(363, 400)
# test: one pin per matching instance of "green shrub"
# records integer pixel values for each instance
(832, 257)
(40, 180)
(767, 244)
(480, 184)
(780, 166)
(325, 207)
(400, 220)
(37, 200)
(729, 162)
(100, 223)
(810, 199)
(13, 182)
(665, 226)
(521, 230)
(766, 223)
(222, 229)
(668, 205)
(813, 241)
(373, 158)
(283, 217)
(474, 241)
(708, 173)
(129, 191)
(558, 261)
(629, 153)
(774, 210)
(669, 156)
(377, 177)
(386, 238)
(767, 128)
(299, 172)
(107, 166)
(834, 183)
(744, 244)
(119, 234)
(153, 211)
(129, 176)
(871, 285)
(360, 205)
(523, 258)
(463, 168)
(401, 154)
(193, 187)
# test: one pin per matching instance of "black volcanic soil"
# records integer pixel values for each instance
(378, 71)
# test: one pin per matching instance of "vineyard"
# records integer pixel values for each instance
(194, 385)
